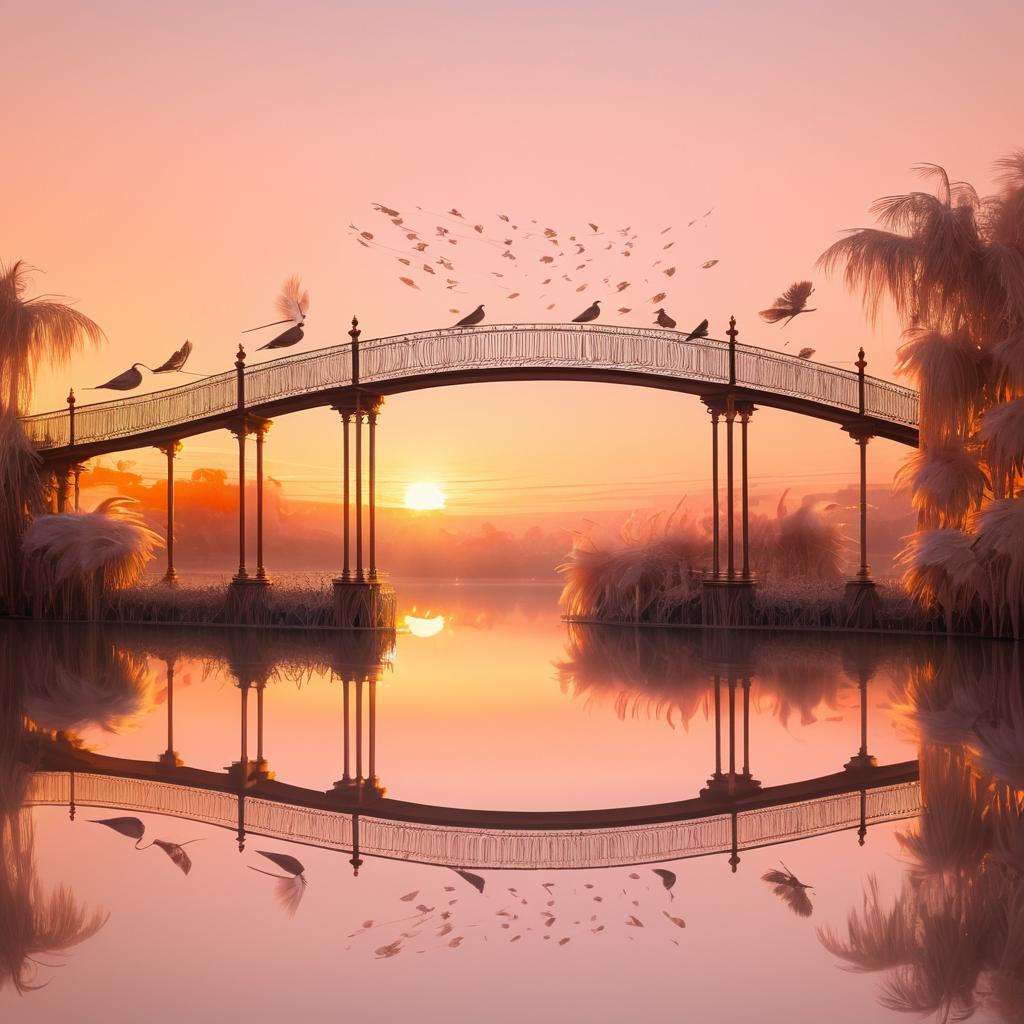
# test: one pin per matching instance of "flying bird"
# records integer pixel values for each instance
(473, 318)
(291, 886)
(790, 890)
(708, 264)
(790, 304)
(177, 359)
(668, 879)
(476, 881)
(700, 331)
(664, 320)
(592, 312)
(805, 353)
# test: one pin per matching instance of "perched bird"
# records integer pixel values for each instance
(286, 339)
(126, 381)
(664, 320)
(292, 304)
(177, 359)
(790, 890)
(592, 312)
(473, 318)
(805, 353)
(700, 331)
(791, 303)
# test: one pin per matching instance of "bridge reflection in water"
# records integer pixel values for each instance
(733, 812)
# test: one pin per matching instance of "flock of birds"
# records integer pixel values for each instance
(555, 910)
(580, 261)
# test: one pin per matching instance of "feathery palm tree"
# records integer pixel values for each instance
(33, 330)
(952, 264)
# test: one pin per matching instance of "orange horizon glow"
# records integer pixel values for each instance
(168, 212)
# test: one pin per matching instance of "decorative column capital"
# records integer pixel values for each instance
(861, 363)
(733, 332)
(71, 398)
(354, 332)
(171, 448)
(240, 358)
(860, 432)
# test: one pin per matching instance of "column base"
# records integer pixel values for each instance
(364, 604)
(725, 787)
(861, 763)
(247, 601)
(354, 790)
(170, 578)
(727, 602)
(261, 770)
(243, 773)
(861, 604)
(170, 759)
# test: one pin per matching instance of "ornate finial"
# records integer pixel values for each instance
(357, 863)
(71, 397)
(354, 333)
(861, 361)
(240, 358)
(732, 332)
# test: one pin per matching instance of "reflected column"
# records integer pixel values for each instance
(169, 758)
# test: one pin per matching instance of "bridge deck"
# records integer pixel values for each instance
(646, 357)
(460, 837)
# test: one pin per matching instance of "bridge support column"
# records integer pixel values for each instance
(360, 731)
(716, 558)
(732, 784)
(78, 486)
(260, 429)
(170, 450)
(727, 599)
(361, 599)
(247, 602)
(169, 758)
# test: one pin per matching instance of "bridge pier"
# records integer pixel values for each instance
(727, 599)
(860, 600)
(361, 599)
(731, 784)
(247, 595)
(169, 758)
(170, 450)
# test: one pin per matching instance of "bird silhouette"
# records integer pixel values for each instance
(472, 319)
(790, 890)
(664, 320)
(700, 331)
(177, 359)
(790, 304)
(126, 381)
(290, 887)
(805, 353)
(292, 304)
(592, 312)
(286, 339)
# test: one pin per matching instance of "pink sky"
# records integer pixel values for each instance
(169, 167)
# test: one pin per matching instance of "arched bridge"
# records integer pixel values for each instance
(455, 837)
(646, 357)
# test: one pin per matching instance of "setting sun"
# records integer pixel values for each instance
(424, 496)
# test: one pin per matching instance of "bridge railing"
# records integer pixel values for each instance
(525, 345)
(648, 351)
(462, 846)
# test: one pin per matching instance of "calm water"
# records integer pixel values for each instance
(501, 709)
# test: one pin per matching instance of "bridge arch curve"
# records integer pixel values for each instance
(644, 357)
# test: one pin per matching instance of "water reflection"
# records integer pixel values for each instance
(37, 923)
(950, 942)
(947, 942)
